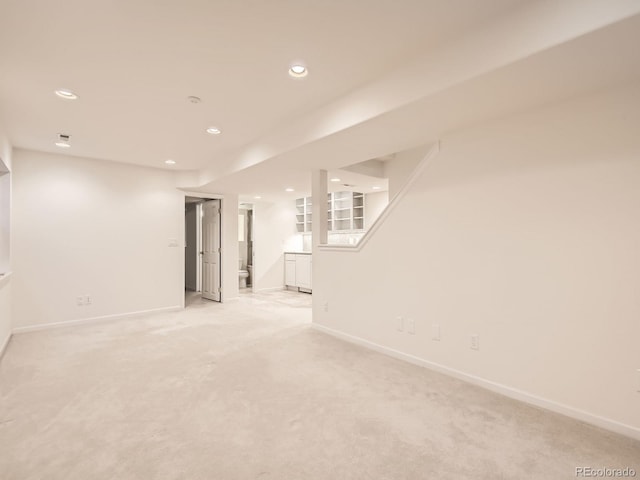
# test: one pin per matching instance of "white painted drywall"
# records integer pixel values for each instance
(524, 231)
(191, 247)
(374, 204)
(5, 250)
(91, 227)
(400, 168)
(230, 279)
(274, 233)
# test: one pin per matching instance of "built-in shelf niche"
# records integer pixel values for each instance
(345, 212)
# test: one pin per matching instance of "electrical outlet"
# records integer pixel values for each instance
(475, 342)
(411, 326)
(435, 332)
(87, 300)
(325, 306)
(79, 301)
(400, 324)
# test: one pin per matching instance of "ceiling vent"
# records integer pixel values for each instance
(63, 140)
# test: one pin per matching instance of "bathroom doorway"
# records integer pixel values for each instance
(245, 247)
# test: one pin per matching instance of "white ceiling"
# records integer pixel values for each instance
(134, 62)
(385, 75)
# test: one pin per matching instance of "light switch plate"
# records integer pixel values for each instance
(411, 326)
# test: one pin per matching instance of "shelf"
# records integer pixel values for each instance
(345, 212)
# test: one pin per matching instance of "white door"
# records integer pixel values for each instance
(211, 250)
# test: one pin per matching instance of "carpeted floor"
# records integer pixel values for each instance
(247, 390)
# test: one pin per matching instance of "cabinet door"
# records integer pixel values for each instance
(303, 271)
(290, 273)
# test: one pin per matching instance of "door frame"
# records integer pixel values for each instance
(209, 256)
(204, 197)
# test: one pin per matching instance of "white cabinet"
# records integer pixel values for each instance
(290, 270)
(303, 271)
(297, 270)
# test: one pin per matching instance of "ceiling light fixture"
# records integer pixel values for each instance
(214, 131)
(376, 188)
(335, 179)
(257, 197)
(297, 70)
(289, 189)
(63, 141)
(66, 94)
(170, 162)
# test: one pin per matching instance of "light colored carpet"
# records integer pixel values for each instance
(247, 390)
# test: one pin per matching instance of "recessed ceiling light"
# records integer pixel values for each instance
(63, 144)
(257, 197)
(170, 162)
(66, 94)
(214, 131)
(376, 188)
(288, 190)
(335, 179)
(297, 70)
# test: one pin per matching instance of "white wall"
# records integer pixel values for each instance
(191, 247)
(5, 251)
(230, 279)
(374, 204)
(90, 227)
(524, 231)
(400, 168)
(274, 233)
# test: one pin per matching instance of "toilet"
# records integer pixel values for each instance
(242, 275)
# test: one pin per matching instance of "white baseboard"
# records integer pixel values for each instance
(3, 347)
(514, 393)
(84, 321)
(271, 289)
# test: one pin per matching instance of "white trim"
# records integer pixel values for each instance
(84, 321)
(3, 348)
(271, 289)
(510, 392)
(417, 172)
(204, 196)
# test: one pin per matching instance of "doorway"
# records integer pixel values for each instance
(245, 248)
(202, 250)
